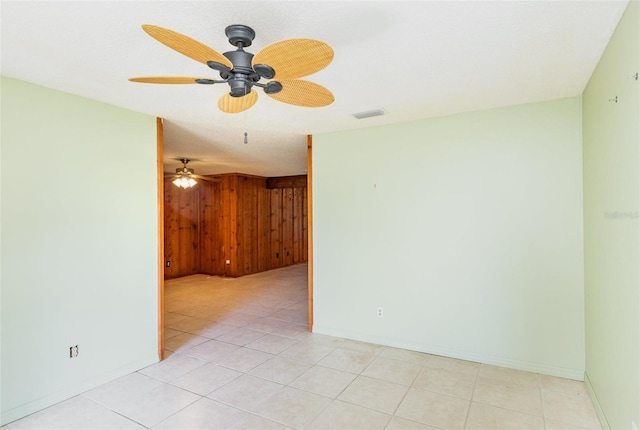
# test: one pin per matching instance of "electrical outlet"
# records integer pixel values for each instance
(168, 263)
(73, 351)
(228, 262)
(380, 312)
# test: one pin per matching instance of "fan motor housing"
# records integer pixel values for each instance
(240, 85)
(241, 61)
(242, 78)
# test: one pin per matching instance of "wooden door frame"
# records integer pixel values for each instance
(160, 179)
(310, 228)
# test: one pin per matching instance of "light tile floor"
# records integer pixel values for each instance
(239, 356)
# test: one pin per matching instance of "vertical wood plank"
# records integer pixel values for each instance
(305, 225)
(223, 219)
(171, 230)
(206, 228)
(276, 228)
(188, 230)
(244, 227)
(297, 225)
(218, 235)
(287, 226)
(232, 247)
(264, 227)
(239, 210)
(255, 245)
(183, 228)
(225, 224)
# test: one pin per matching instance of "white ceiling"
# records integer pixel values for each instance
(414, 59)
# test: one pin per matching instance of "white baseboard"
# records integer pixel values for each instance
(51, 399)
(596, 404)
(576, 374)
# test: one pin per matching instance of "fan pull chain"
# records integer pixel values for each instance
(245, 138)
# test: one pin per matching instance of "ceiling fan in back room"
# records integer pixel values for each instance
(280, 64)
(186, 177)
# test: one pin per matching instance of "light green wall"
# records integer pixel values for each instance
(79, 245)
(611, 195)
(467, 229)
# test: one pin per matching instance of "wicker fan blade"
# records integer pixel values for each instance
(186, 45)
(295, 58)
(303, 93)
(229, 104)
(165, 80)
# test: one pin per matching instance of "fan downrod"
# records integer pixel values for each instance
(184, 170)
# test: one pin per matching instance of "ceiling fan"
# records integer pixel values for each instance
(186, 177)
(280, 64)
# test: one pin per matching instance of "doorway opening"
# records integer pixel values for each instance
(236, 226)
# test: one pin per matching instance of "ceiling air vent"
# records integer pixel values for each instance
(369, 113)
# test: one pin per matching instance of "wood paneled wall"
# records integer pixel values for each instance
(181, 235)
(238, 220)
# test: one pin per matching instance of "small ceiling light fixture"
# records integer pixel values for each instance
(369, 113)
(184, 182)
(184, 179)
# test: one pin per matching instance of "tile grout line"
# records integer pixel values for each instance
(473, 393)
(544, 418)
(111, 410)
(409, 389)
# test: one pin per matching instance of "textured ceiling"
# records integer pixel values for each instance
(414, 59)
